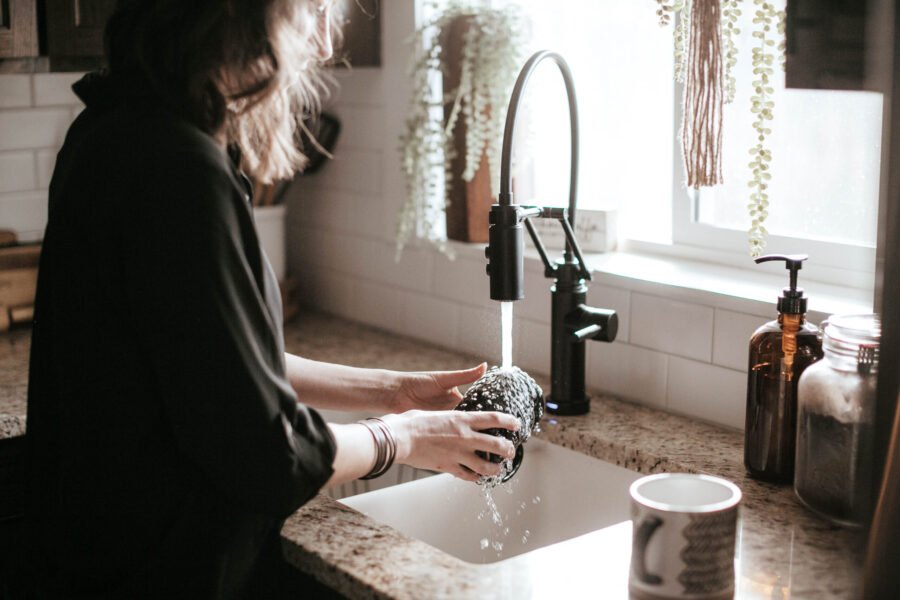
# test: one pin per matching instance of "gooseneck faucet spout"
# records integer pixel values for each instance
(572, 321)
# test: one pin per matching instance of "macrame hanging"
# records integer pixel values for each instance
(701, 124)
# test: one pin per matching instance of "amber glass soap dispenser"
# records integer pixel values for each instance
(779, 352)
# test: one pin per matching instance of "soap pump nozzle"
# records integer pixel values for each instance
(791, 301)
(792, 306)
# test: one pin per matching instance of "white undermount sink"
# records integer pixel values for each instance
(558, 494)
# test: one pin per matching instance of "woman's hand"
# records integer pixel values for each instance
(432, 390)
(447, 440)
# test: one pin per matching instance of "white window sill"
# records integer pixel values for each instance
(747, 291)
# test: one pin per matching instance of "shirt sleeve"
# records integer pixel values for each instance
(211, 343)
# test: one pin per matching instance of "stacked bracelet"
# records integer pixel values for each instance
(385, 446)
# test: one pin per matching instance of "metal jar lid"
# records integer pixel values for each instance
(854, 338)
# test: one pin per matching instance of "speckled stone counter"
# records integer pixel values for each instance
(785, 551)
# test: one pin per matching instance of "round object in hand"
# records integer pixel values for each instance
(514, 392)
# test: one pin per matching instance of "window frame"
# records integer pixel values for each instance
(829, 262)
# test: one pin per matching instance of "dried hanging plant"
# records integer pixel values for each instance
(700, 54)
(701, 123)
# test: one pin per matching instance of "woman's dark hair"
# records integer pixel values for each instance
(247, 70)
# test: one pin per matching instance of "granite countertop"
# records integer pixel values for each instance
(785, 551)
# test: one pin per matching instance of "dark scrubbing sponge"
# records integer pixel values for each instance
(512, 391)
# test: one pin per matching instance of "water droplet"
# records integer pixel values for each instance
(484, 543)
(497, 546)
(506, 531)
(536, 500)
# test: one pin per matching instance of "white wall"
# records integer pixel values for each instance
(683, 356)
(35, 113)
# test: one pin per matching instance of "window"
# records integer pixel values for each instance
(826, 147)
(621, 60)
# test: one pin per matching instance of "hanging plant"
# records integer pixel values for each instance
(491, 53)
(766, 20)
(697, 41)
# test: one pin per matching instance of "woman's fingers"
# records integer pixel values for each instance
(464, 473)
(478, 420)
(480, 466)
(450, 379)
(494, 444)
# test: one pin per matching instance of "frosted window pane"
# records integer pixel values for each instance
(826, 149)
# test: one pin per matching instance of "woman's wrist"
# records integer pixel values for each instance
(399, 426)
(385, 446)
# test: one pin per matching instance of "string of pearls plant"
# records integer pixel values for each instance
(766, 20)
(768, 26)
(491, 53)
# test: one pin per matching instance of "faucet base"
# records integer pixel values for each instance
(569, 407)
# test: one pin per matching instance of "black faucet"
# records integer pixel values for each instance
(572, 321)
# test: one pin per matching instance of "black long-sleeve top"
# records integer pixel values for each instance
(165, 443)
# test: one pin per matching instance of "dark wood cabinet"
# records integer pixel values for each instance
(75, 30)
(362, 33)
(826, 44)
(18, 29)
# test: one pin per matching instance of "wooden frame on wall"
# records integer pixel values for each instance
(18, 28)
(361, 46)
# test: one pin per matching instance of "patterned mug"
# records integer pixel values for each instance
(684, 535)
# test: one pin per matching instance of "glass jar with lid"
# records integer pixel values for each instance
(835, 421)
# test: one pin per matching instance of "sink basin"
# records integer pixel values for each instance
(558, 494)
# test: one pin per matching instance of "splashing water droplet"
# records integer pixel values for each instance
(536, 500)
(497, 546)
(484, 543)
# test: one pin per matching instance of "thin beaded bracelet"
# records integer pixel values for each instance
(385, 446)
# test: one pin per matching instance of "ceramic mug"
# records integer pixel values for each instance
(683, 544)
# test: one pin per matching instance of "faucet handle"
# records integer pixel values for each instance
(561, 215)
(589, 323)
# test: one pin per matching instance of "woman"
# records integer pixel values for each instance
(169, 433)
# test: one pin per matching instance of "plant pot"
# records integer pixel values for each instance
(270, 230)
(469, 201)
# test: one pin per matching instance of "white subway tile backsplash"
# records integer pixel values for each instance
(731, 338)
(479, 333)
(378, 305)
(331, 211)
(414, 270)
(531, 349)
(45, 161)
(628, 372)
(34, 128)
(536, 304)
(55, 89)
(25, 213)
(430, 319)
(462, 280)
(362, 127)
(15, 91)
(707, 392)
(369, 217)
(17, 171)
(357, 171)
(360, 86)
(671, 327)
